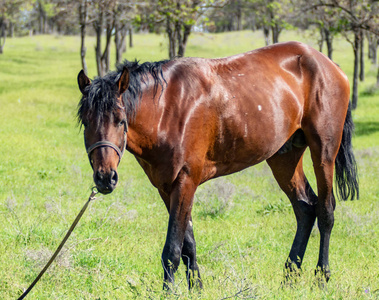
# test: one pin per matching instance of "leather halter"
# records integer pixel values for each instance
(120, 152)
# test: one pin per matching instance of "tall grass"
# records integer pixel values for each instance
(244, 230)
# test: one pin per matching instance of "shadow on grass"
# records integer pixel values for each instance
(366, 128)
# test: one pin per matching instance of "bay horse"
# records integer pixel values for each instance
(189, 120)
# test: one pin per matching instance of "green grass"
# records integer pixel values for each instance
(244, 231)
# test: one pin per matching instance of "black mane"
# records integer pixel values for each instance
(99, 97)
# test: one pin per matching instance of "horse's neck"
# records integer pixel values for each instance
(142, 132)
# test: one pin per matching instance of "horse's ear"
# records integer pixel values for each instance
(83, 81)
(123, 82)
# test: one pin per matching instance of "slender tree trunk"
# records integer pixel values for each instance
(130, 37)
(361, 57)
(369, 40)
(275, 33)
(11, 29)
(171, 38)
(178, 31)
(117, 41)
(3, 34)
(45, 25)
(375, 44)
(321, 40)
(83, 49)
(83, 27)
(356, 67)
(186, 33)
(117, 38)
(266, 33)
(41, 17)
(120, 37)
(239, 18)
(329, 42)
(106, 57)
(377, 78)
(99, 28)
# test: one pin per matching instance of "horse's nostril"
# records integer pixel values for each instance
(99, 176)
(114, 177)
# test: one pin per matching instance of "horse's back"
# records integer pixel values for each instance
(245, 107)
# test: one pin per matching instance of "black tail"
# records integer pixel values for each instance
(346, 168)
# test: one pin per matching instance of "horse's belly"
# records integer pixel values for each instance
(240, 153)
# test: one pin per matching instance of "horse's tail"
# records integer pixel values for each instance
(346, 168)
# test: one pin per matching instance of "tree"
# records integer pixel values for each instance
(102, 11)
(355, 17)
(9, 12)
(179, 17)
(229, 18)
(326, 19)
(123, 13)
(272, 16)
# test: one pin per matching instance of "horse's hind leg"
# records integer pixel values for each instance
(323, 152)
(288, 172)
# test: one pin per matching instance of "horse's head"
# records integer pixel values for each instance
(103, 115)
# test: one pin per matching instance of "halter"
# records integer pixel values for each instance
(99, 144)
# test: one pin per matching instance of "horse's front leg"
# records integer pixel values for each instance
(181, 200)
(189, 258)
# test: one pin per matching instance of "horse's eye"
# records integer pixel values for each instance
(122, 123)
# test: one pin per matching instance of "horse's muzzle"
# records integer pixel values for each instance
(106, 182)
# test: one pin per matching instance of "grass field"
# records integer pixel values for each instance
(244, 224)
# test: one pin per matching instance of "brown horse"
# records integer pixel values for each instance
(191, 119)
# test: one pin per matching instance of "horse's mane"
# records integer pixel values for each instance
(99, 97)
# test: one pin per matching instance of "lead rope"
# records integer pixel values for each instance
(91, 197)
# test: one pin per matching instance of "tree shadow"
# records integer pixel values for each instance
(366, 128)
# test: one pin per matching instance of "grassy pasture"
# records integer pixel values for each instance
(244, 225)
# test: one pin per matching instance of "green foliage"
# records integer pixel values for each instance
(115, 251)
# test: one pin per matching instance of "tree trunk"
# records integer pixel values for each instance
(361, 57)
(98, 24)
(171, 39)
(239, 18)
(178, 31)
(356, 67)
(377, 78)
(266, 33)
(275, 33)
(41, 17)
(322, 39)
(130, 37)
(374, 58)
(329, 42)
(186, 33)
(83, 27)
(119, 38)
(106, 57)
(45, 25)
(372, 48)
(117, 41)
(11, 29)
(3, 35)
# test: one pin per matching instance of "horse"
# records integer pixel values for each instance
(188, 120)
